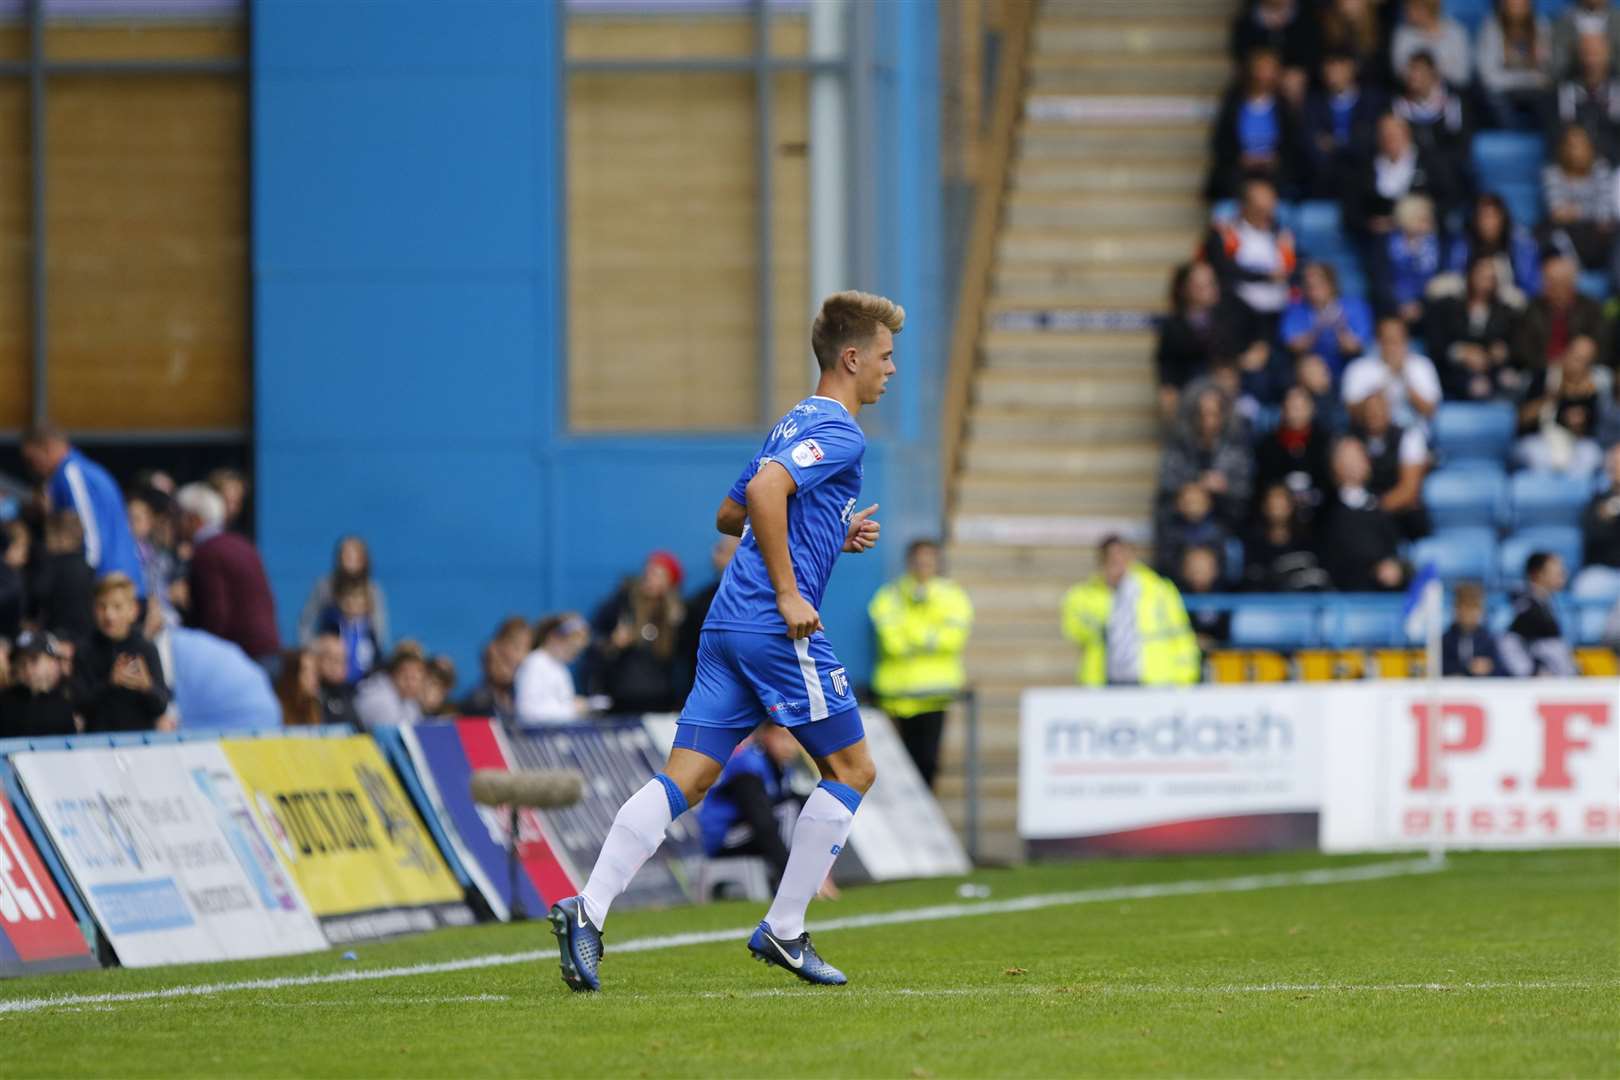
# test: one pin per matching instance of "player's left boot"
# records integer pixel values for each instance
(579, 941)
(796, 955)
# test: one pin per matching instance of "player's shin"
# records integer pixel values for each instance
(819, 836)
(637, 831)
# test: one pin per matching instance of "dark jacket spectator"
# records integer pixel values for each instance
(14, 550)
(1441, 128)
(1398, 168)
(117, 682)
(1534, 643)
(1359, 541)
(1362, 30)
(335, 691)
(1471, 338)
(1286, 27)
(635, 659)
(1424, 29)
(36, 704)
(1399, 460)
(1514, 55)
(74, 482)
(496, 694)
(229, 593)
(1278, 553)
(351, 560)
(1492, 232)
(1295, 455)
(1199, 573)
(1257, 132)
(1467, 648)
(60, 595)
(349, 618)
(1191, 523)
(1601, 523)
(1558, 316)
(1209, 450)
(1589, 97)
(1340, 120)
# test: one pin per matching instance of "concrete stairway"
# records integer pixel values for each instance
(1061, 441)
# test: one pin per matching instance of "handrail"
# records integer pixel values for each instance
(974, 290)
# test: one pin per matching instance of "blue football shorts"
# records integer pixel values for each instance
(744, 679)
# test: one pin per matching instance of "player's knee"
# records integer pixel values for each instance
(859, 775)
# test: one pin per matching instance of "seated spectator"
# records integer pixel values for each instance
(1257, 132)
(74, 482)
(1492, 232)
(1295, 456)
(35, 705)
(1253, 259)
(1579, 19)
(1424, 30)
(494, 695)
(117, 682)
(1559, 415)
(232, 486)
(751, 806)
(1209, 450)
(1471, 336)
(332, 670)
(1600, 529)
(1534, 643)
(636, 631)
(1359, 540)
(349, 618)
(545, 680)
(515, 638)
(1226, 379)
(1199, 574)
(1278, 554)
(351, 560)
(391, 696)
(1414, 257)
(149, 524)
(14, 547)
(1130, 624)
(1200, 328)
(1398, 168)
(1323, 327)
(1468, 649)
(298, 689)
(1579, 191)
(228, 592)
(1339, 122)
(697, 611)
(214, 685)
(1558, 316)
(1588, 96)
(1399, 459)
(1354, 27)
(1408, 380)
(1289, 29)
(438, 683)
(61, 594)
(1515, 57)
(1440, 125)
(1191, 523)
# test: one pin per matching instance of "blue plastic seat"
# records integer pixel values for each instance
(1471, 13)
(1541, 498)
(1596, 584)
(1474, 430)
(1523, 198)
(1462, 554)
(1509, 157)
(1256, 625)
(1374, 625)
(1562, 540)
(1594, 283)
(1321, 228)
(1591, 621)
(1475, 495)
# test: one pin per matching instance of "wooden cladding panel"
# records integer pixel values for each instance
(16, 339)
(683, 37)
(143, 41)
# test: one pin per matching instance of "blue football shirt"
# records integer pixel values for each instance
(820, 444)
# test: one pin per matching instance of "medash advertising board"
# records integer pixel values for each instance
(348, 835)
(164, 850)
(1503, 764)
(37, 929)
(1136, 771)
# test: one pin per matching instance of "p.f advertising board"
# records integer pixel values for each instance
(37, 929)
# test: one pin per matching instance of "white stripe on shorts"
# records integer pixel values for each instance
(812, 681)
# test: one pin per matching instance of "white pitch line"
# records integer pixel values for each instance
(1248, 883)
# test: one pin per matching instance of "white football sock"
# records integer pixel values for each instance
(637, 830)
(817, 839)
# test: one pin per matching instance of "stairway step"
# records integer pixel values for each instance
(1163, 247)
(1175, 178)
(1066, 284)
(1201, 76)
(979, 560)
(1060, 140)
(1218, 12)
(1142, 37)
(1062, 422)
(1025, 662)
(1106, 210)
(1116, 352)
(1138, 461)
(1054, 390)
(1029, 495)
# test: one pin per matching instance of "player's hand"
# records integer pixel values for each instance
(863, 531)
(801, 618)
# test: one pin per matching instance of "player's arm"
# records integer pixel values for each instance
(768, 494)
(731, 517)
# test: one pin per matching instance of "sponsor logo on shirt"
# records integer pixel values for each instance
(808, 453)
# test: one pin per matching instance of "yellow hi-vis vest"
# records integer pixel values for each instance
(921, 631)
(1170, 655)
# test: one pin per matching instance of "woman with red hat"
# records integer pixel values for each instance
(637, 631)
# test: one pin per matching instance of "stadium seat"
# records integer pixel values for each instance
(1509, 157)
(1372, 624)
(1540, 498)
(1475, 495)
(1562, 540)
(1471, 13)
(1591, 620)
(1462, 554)
(1321, 231)
(1523, 198)
(1470, 430)
(1283, 628)
(1596, 584)
(1594, 283)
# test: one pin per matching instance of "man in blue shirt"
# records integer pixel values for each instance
(74, 482)
(743, 812)
(762, 654)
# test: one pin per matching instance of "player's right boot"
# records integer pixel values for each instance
(580, 943)
(796, 955)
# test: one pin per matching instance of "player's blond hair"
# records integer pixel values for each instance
(849, 318)
(115, 582)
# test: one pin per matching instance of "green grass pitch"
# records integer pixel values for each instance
(1502, 964)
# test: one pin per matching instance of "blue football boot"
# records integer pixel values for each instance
(580, 943)
(796, 955)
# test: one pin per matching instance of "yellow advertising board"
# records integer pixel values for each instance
(348, 834)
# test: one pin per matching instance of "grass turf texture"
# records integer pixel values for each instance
(1503, 964)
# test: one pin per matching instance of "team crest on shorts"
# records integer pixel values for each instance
(840, 681)
(808, 453)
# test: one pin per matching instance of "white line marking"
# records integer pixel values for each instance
(1126, 989)
(1249, 883)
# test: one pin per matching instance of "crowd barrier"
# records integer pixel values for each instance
(157, 849)
(1475, 763)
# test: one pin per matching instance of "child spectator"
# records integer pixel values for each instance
(437, 685)
(545, 683)
(1191, 524)
(349, 618)
(351, 559)
(1295, 456)
(1471, 336)
(1340, 118)
(1560, 413)
(1199, 574)
(1424, 30)
(332, 672)
(1324, 327)
(1534, 643)
(148, 512)
(515, 639)
(1579, 191)
(1277, 554)
(1414, 257)
(1467, 648)
(392, 695)
(117, 682)
(1515, 55)
(1257, 133)
(35, 705)
(298, 689)
(494, 695)
(63, 589)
